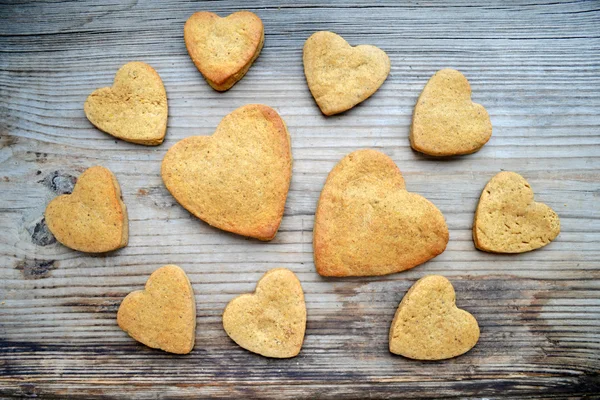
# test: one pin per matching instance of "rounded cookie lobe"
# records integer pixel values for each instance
(238, 178)
(508, 220)
(163, 315)
(340, 76)
(134, 109)
(428, 325)
(271, 321)
(93, 218)
(445, 120)
(223, 49)
(368, 224)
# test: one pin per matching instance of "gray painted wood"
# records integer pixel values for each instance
(534, 64)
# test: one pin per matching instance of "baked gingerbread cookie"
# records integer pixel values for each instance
(340, 76)
(163, 315)
(508, 220)
(445, 120)
(134, 109)
(272, 320)
(93, 218)
(238, 178)
(429, 326)
(367, 223)
(223, 49)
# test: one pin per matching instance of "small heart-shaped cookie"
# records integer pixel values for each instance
(163, 315)
(272, 321)
(223, 49)
(429, 326)
(238, 178)
(367, 223)
(134, 108)
(340, 76)
(507, 219)
(93, 218)
(445, 121)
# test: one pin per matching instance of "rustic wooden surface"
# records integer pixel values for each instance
(534, 64)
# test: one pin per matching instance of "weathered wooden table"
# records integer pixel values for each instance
(534, 64)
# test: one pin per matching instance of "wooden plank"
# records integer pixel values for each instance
(535, 65)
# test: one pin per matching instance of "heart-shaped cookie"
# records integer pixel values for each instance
(223, 49)
(134, 108)
(429, 326)
(367, 223)
(238, 178)
(445, 120)
(163, 315)
(93, 218)
(507, 219)
(272, 320)
(340, 76)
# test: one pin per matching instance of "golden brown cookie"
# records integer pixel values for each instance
(272, 320)
(340, 76)
(223, 49)
(134, 108)
(445, 120)
(93, 218)
(163, 315)
(367, 223)
(429, 326)
(238, 178)
(507, 219)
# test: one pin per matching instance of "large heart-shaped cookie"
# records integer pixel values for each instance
(223, 49)
(238, 178)
(163, 315)
(134, 108)
(445, 120)
(272, 321)
(507, 219)
(367, 223)
(93, 218)
(340, 76)
(429, 326)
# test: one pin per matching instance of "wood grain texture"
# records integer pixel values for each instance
(535, 66)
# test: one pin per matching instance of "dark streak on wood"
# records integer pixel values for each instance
(35, 269)
(58, 182)
(40, 234)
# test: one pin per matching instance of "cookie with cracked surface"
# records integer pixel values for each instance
(508, 220)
